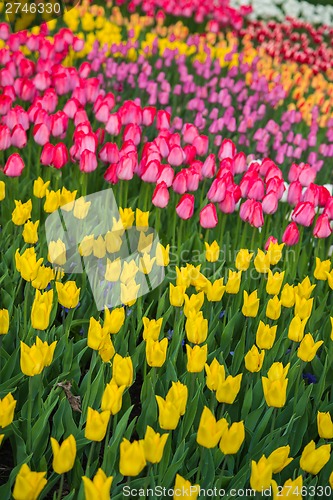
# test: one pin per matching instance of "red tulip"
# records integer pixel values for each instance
(60, 155)
(291, 234)
(185, 207)
(209, 167)
(208, 216)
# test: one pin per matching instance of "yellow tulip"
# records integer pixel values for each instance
(126, 216)
(43, 278)
(99, 487)
(184, 489)
(291, 489)
(27, 264)
(64, 454)
(68, 294)
(114, 320)
(153, 445)
(251, 304)
(176, 295)
(275, 385)
(4, 321)
(196, 327)
(41, 310)
(308, 348)
(273, 309)
(288, 296)
(314, 459)
(99, 248)
(21, 212)
(141, 220)
(162, 255)
(96, 424)
(274, 252)
(228, 389)
(265, 336)
(112, 397)
(274, 282)
(212, 251)
(254, 359)
(296, 328)
(40, 187)
(96, 334)
(214, 372)
(7, 408)
(215, 291)
(86, 245)
(234, 281)
(113, 241)
(57, 253)
(29, 233)
(177, 395)
(151, 328)
(28, 484)
(243, 260)
(322, 268)
(325, 425)
(113, 270)
(196, 358)
(305, 288)
(145, 242)
(52, 201)
(169, 415)
(129, 293)
(210, 430)
(122, 370)
(232, 438)
(35, 358)
(262, 262)
(146, 263)
(66, 199)
(156, 352)
(279, 459)
(193, 303)
(261, 474)
(81, 208)
(2, 190)
(303, 306)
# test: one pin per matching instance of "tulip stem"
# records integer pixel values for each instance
(298, 382)
(29, 416)
(90, 456)
(106, 445)
(273, 420)
(61, 486)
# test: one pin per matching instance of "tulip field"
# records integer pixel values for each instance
(166, 270)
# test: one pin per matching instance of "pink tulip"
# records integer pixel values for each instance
(322, 227)
(19, 136)
(185, 207)
(251, 212)
(291, 234)
(209, 167)
(14, 166)
(294, 193)
(125, 168)
(329, 207)
(227, 150)
(201, 144)
(176, 156)
(109, 153)
(179, 184)
(208, 216)
(88, 161)
(190, 132)
(161, 195)
(113, 125)
(148, 116)
(304, 213)
(41, 134)
(270, 240)
(163, 120)
(270, 203)
(5, 138)
(110, 174)
(166, 174)
(217, 190)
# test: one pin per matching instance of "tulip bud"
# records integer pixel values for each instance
(254, 360)
(99, 487)
(232, 438)
(261, 474)
(325, 425)
(28, 484)
(314, 459)
(153, 445)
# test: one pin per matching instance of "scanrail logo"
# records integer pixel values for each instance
(90, 235)
(25, 14)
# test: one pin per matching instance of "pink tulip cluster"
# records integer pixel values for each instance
(178, 159)
(222, 106)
